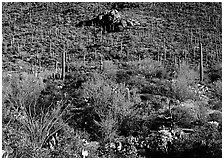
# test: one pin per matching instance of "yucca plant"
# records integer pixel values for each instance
(39, 129)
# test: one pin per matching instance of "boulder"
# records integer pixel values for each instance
(213, 124)
(110, 21)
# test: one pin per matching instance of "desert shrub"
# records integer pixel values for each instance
(123, 76)
(110, 150)
(198, 144)
(18, 89)
(107, 106)
(70, 144)
(159, 87)
(217, 89)
(140, 124)
(149, 68)
(49, 98)
(204, 142)
(186, 76)
(138, 81)
(189, 74)
(28, 135)
(215, 72)
(110, 69)
(189, 113)
(140, 73)
(217, 105)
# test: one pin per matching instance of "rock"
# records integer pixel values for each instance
(214, 124)
(132, 22)
(110, 21)
(182, 133)
(115, 15)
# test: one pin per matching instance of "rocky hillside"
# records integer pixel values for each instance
(38, 33)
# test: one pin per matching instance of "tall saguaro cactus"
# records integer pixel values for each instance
(63, 65)
(201, 63)
(56, 67)
(127, 93)
(121, 47)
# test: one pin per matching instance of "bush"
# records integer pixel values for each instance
(108, 105)
(109, 69)
(18, 87)
(149, 68)
(215, 73)
(159, 87)
(28, 133)
(180, 86)
(19, 90)
(204, 142)
(217, 88)
(189, 113)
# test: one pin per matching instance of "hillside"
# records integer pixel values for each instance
(41, 31)
(79, 81)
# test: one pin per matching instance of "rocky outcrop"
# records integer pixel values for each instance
(110, 21)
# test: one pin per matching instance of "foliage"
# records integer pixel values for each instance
(180, 87)
(215, 72)
(217, 87)
(109, 104)
(204, 142)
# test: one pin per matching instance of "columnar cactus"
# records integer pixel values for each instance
(164, 50)
(63, 65)
(101, 62)
(127, 93)
(56, 66)
(201, 63)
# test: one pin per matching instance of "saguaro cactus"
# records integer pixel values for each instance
(101, 62)
(56, 66)
(164, 45)
(127, 93)
(179, 62)
(63, 65)
(201, 63)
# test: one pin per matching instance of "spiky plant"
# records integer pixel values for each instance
(39, 130)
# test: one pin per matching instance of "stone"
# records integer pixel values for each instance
(110, 21)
